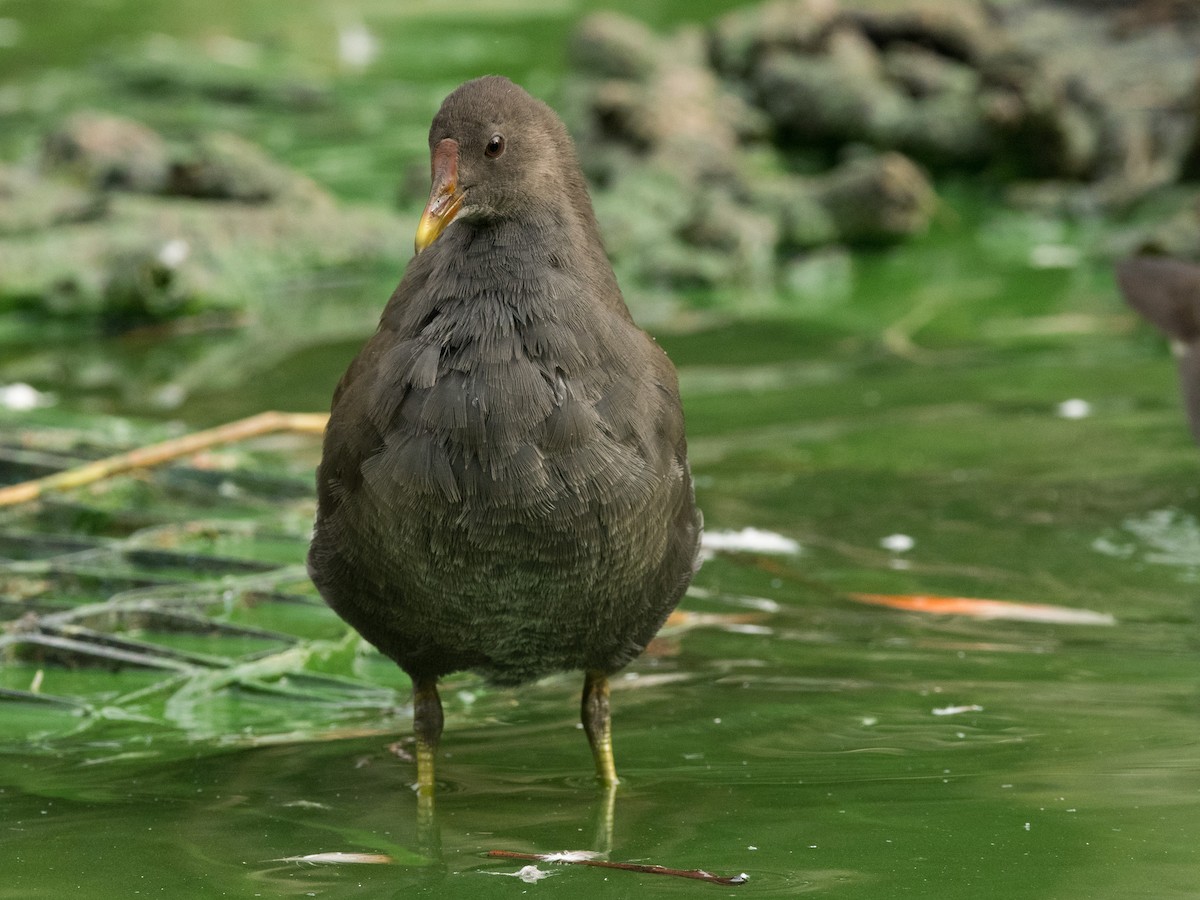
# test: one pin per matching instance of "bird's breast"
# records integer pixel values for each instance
(488, 424)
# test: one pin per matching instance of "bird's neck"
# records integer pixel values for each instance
(548, 262)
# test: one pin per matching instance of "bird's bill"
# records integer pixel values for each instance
(445, 199)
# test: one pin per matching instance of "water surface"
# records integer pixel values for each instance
(818, 743)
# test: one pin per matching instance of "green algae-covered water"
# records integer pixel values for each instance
(948, 419)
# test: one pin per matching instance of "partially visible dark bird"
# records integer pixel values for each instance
(505, 485)
(1166, 291)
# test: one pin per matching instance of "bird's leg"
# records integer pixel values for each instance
(597, 723)
(427, 723)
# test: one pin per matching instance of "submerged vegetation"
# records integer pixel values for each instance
(169, 594)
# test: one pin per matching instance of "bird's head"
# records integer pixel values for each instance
(495, 153)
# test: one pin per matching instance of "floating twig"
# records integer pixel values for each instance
(164, 451)
(581, 859)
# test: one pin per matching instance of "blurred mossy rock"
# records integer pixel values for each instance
(907, 99)
(876, 200)
(212, 223)
(741, 38)
(902, 78)
(108, 152)
(111, 152)
(1177, 236)
(1025, 88)
(1125, 74)
(943, 83)
(667, 106)
(223, 166)
(681, 159)
(153, 258)
(229, 70)
(1053, 100)
(610, 45)
(964, 31)
(869, 200)
(29, 202)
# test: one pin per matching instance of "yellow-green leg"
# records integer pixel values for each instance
(597, 723)
(427, 723)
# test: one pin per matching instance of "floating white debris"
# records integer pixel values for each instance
(956, 710)
(571, 856)
(1113, 549)
(1171, 538)
(174, 253)
(765, 604)
(528, 874)
(752, 540)
(531, 874)
(1054, 256)
(746, 628)
(336, 858)
(1074, 409)
(357, 47)
(169, 396)
(897, 543)
(21, 397)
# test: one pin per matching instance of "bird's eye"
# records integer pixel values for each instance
(495, 146)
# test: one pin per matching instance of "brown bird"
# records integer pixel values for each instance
(505, 485)
(1167, 293)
